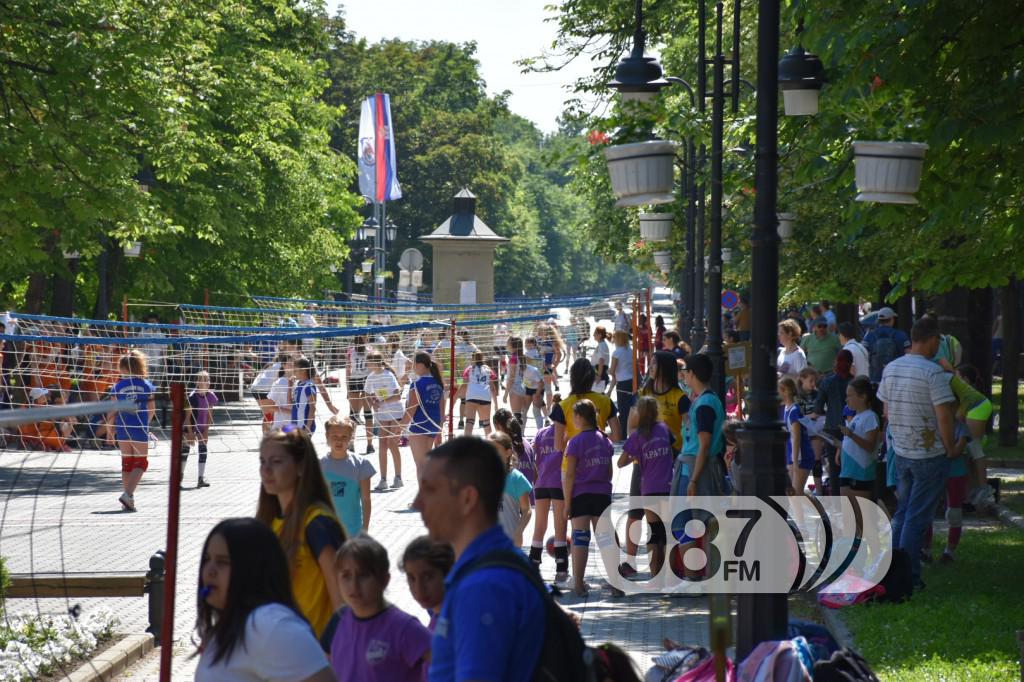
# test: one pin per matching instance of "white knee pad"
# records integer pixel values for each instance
(955, 518)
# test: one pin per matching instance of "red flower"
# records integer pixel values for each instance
(596, 137)
(876, 82)
(639, 244)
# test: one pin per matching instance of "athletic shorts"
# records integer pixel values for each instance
(132, 434)
(807, 460)
(260, 395)
(531, 392)
(478, 402)
(549, 493)
(589, 504)
(130, 463)
(423, 429)
(981, 412)
(854, 484)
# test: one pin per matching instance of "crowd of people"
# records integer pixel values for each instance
(889, 417)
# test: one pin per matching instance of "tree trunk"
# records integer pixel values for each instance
(847, 312)
(106, 271)
(63, 302)
(1009, 417)
(951, 310)
(35, 295)
(905, 312)
(978, 344)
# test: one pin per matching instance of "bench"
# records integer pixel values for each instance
(43, 585)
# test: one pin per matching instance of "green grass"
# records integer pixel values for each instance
(961, 627)
(1012, 493)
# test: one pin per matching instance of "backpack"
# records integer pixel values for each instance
(884, 350)
(954, 350)
(776, 661)
(705, 672)
(846, 665)
(820, 640)
(849, 590)
(564, 656)
(898, 581)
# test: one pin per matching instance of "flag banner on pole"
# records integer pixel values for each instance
(378, 180)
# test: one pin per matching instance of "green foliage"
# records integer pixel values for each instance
(914, 70)
(961, 626)
(5, 582)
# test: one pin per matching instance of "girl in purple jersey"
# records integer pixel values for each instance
(650, 447)
(586, 486)
(548, 489)
(201, 402)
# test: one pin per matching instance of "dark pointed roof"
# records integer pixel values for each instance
(464, 223)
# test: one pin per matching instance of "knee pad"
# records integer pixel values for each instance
(202, 453)
(955, 518)
(485, 423)
(975, 450)
(580, 538)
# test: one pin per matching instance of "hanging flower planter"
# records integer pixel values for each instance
(133, 250)
(367, 266)
(642, 172)
(785, 229)
(663, 259)
(655, 227)
(357, 277)
(888, 172)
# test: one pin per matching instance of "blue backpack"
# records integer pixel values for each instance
(884, 350)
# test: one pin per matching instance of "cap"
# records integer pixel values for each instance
(37, 393)
(886, 313)
(821, 321)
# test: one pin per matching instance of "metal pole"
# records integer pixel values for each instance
(378, 254)
(173, 504)
(764, 616)
(714, 301)
(690, 189)
(699, 329)
(451, 381)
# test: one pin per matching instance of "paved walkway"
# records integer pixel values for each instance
(60, 513)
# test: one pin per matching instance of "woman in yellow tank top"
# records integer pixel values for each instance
(295, 503)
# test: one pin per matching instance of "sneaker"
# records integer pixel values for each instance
(562, 578)
(946, 558)
(127, 501)
(203, 483)
(462, 424)
(369, 449)
(626, 571)
(382, 486)
(356, 419)
(397, 483)
(926, 556)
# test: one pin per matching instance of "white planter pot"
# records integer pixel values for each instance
(785, 229)
(726, 255)
(663, 259)
(133, 250)
(357, 278)
(367, 266)
(888, 172)
(655, 227)
(642, 173)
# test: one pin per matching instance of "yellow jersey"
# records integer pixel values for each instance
(605, 410)
(308, 585)
(672, 405)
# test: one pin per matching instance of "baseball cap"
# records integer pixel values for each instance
(886, 313)
(821, 321)
(37, 393)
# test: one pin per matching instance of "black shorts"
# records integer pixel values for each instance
(549, 493)
(531, 392)
(854, 484)
(589, 504)
(260, 395)
(478, 402)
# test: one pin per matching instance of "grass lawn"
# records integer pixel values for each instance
(1012, 493)
(962, 626)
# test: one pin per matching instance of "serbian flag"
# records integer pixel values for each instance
(378, 181)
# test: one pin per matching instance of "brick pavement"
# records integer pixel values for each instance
(61, 513)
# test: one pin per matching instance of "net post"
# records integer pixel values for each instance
(451, 381)
(171, 557)
(636, 379)
(124, 308)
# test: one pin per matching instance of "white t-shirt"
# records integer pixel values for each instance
(279, 645)
(383, 384)
(621, 322)
(264, 381)
(478, 382)
(601, 353)
(790, 364)
(861, 362)
(911, 387)
(624, 366)
(399, 362)
(281, 395)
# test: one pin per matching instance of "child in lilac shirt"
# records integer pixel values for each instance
(371, 640)
(587, 485)
(201, 402)
(548, 490)
(650, 447)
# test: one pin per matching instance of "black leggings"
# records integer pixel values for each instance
(623, 401)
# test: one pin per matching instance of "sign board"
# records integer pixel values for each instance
(411, 259)
(467, 292)
(730, 299)
(737, 358)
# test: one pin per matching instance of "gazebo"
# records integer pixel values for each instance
(463, 262)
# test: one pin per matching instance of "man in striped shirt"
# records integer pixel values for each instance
(919, 408)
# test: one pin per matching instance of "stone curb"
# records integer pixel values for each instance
(1006, 463)
(835, 624)
(114, 660)
(1006, 516)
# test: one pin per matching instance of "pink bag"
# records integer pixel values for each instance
(849, 590)
(705, 672)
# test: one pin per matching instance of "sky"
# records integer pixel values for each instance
(504, 30)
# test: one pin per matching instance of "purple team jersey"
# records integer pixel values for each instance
(549, 459)
(593, 453)
(527, 464)
(654, 452)
(388, 647)
(202, 405)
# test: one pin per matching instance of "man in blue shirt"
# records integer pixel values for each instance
(491, 625)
